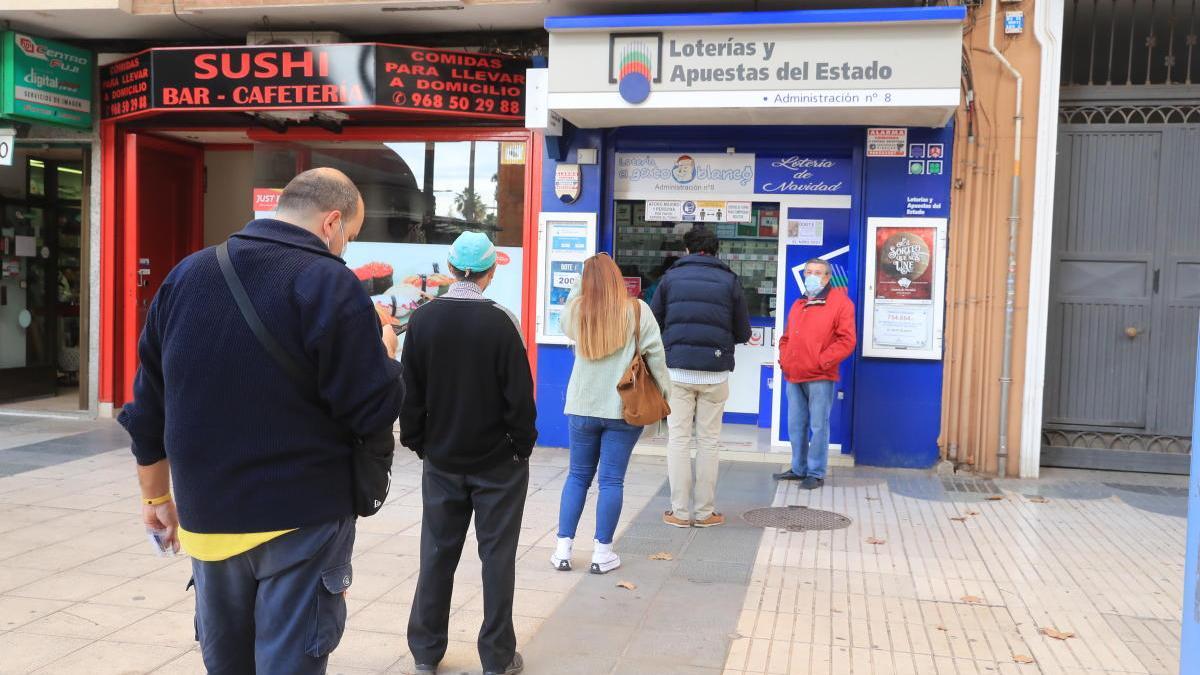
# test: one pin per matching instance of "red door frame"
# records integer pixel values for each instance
(118, 255)
(132, 234)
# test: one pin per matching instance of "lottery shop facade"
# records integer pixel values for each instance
(196, 141)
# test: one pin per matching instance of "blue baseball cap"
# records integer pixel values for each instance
(473, 252)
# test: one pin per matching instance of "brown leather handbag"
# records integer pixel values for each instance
(641, 397)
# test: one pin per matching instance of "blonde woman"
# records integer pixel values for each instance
(599, 317)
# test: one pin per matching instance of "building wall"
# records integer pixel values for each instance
(978, 257)
(164, 6)
(229, 194)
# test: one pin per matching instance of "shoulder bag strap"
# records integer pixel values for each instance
(268, 341)
(637, 326)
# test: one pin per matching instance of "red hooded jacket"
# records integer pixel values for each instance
(820, 334)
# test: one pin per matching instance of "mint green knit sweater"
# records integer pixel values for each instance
(592, 390)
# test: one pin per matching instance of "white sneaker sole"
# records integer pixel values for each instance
(605, 568)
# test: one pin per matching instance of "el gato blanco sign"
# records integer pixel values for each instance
(899, 62)
(652, 174)
(684, 174)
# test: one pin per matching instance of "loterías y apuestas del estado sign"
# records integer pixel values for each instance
(692, 57)
(850, 65)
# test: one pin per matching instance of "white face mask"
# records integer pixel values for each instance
(345, 241)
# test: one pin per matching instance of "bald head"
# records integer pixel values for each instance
(325, 202)
(320, 191)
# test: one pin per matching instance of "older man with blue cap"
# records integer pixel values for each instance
(469, 414)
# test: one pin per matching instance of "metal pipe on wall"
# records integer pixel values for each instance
(1010, 283)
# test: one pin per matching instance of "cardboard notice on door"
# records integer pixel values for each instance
(805, 232)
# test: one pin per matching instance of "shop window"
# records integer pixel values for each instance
(36, 172)
(40, 280)
(419, 196)
(647, 248)
(70, 182)
(418, 192)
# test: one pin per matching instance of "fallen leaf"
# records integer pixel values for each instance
(872, 499)
(627, 585)
(995, 498)
(1057, 634)
(1038, 499)
(875, 541)
(972, 600)
(662, 556)
(943, 628)
(972, 513)
(1022, 658)
(960, 519)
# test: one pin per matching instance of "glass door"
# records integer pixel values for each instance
(28, 325)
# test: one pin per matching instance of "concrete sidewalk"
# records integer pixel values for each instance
(928, 576)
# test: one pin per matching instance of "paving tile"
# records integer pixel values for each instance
(87, 620)
(71, 585)
(145, 593)
(191, 663)
(16, 612)
(25, 652)
(171, 629)
(380, 617)
(370, 651)
(112, 658)
(16, 577)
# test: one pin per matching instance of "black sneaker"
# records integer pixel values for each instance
(427, 667)
(812, 483)
(517, 665)
(786, 475)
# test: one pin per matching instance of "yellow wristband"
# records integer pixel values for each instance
(157, 500)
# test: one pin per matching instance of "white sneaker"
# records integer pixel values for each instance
(604, 560)
(561, 558)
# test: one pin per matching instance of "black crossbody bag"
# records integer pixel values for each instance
(372, 455)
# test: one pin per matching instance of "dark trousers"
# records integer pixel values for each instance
(497, 497)
(277, 608)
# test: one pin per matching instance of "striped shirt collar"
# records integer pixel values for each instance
(465, 290)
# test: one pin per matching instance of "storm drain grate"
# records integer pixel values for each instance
(970, 485)
(796, 518)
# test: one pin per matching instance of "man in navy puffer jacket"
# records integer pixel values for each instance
(702, 312)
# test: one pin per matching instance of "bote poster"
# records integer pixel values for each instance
(904, 264)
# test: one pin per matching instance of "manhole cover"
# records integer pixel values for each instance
(796, 518)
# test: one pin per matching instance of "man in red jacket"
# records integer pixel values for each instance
(820, 335)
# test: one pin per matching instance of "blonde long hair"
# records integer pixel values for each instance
(603, 309)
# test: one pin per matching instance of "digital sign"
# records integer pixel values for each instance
(45, 81)
(344, 76)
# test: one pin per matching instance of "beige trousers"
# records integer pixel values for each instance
(696, 411)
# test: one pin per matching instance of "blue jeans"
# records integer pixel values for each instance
(597, 445)
(279, 607)
(809, 404)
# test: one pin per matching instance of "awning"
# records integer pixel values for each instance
(897, 66)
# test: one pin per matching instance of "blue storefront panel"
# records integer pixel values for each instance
(889, 409)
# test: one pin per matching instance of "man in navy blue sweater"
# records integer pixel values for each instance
(702, 311)
(261, 466)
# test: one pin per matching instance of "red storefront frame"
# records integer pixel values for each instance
(120, 227)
